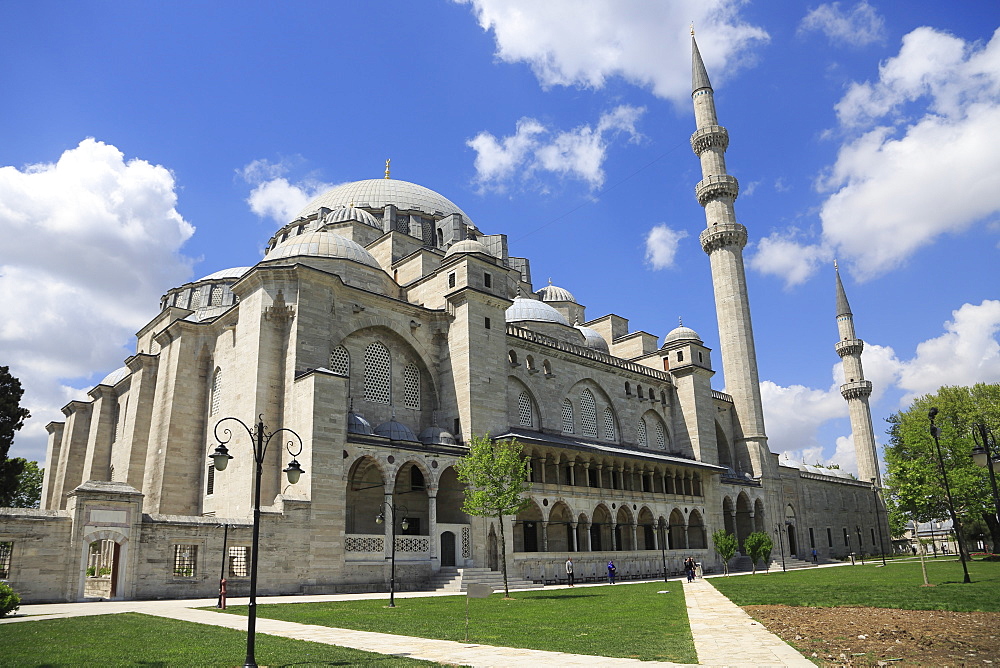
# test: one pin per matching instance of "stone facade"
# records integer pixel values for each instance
(386, 329)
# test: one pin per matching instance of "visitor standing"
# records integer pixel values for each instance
(611, 572)
(815, 556)
(569, 571)
(689, 569)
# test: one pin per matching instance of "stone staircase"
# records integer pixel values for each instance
(791, 564)
(458, 579)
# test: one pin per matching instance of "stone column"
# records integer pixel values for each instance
(545, 536)
(574, 546)
(572, 473)
(614, 542)
(635, 538)
(686, 538)
(543, 461)
(432, 519)
(586, 473)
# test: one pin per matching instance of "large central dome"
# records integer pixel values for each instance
(376, 193)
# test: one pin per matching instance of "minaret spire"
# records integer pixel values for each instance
(723, 241)
(856, 389)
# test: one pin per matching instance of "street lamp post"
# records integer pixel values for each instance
(393, 509)
(222, 575)
(983, 456)
(663, 545)
(260, 439)
(861, 542)
(781, 546)
(850, 549)
(878, 520)
(932, 413)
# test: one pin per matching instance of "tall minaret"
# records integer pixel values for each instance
(856, 389)
(724, 241)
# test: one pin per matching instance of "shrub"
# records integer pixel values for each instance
(9, 600)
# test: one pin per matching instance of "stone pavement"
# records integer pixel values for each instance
(724, 635)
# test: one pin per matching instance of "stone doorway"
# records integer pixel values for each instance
(447, 549)
(102, 569)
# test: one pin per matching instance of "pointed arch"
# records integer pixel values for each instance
(567, 416)
(365, 491)
(696, 531)
(378, 374)
(588, 413)
(340, 361)
(610, 424)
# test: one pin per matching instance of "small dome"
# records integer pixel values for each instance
(115, 376)
(467, 246)
(682, 333)
(322, 244)
(553, 293)
(349, 213)
(436, 436)
(358, 425)
(395, 431)
(525, 309)
(593, 340)
(235, 272)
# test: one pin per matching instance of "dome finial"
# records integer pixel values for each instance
(550, 280)
(692, 28)
(835, 267)
(680, 321)
(387, 161)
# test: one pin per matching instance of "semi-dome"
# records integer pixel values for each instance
(377, 193)
(358, 425)
(467, 246)
(682, 333)
(436, 436)
(395, 431)
(115, 376)
(525, 309)
(349, 213)
(322, 244)
(592, 339)
(553, 293)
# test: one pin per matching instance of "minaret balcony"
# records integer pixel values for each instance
(717, 186)
(859, 389)
(849, 347)
(722, 236)
(709, 137)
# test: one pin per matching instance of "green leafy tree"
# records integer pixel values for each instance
(914, 482)
(496, 479)
(29, 488)
(12, 417)
(725, 545)
(759, 545)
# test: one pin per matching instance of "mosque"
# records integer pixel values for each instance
(385, 329)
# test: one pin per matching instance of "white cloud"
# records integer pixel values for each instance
(577, 153)
(860, 26)
(661, 246)
(273, 195)
(967, 353)
(571, 43)
(794, 414)
(782, 254)
(91, 242)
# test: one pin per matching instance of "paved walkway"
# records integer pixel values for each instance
(724, 635)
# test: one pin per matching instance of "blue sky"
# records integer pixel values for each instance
(143, 145)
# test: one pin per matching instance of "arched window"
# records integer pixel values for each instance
(638, 391)
(640, 434)
(529, 362)
(411, 387)
(340, 361)
(216, 296)
(652, 395)
(546, 368)
(378, 374)
(216, 396)
(195, 299)
(663, 398)
(588, 414)
(512, 357)
(610, 432)
(660, 442)
(567, 416)
(628, 390)
(524, 412)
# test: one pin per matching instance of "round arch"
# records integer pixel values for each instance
(365, 493)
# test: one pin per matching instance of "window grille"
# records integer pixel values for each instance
(340, 361)
(411, 387)
(195, 299)
(567, 416)
(641, 433)
(238, 561)
(216, 296)
(524, 411)
(210, 480)
(6, 550)
(116, 416)
(216, 392)
(660, 442)
(610, 433)
(378, 374)
(451, 280)
(588, 414)
(185, 560)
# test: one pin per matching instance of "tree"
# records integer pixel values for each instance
(496, 479)
(759, 546)
(12, 417)
(725, 546)
(29, 488)
(914, 478)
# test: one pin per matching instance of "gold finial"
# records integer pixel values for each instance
(550, 280)
(835, 267)
(692, 29)
(388, 160)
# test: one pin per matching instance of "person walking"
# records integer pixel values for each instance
(569, 571)
(689, 569)
(611, 572)
(815, 556)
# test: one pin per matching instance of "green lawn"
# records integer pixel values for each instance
(897, 585)
(621, 621)
(141, 640)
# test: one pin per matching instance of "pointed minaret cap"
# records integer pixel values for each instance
(699, 75)
(843, 308)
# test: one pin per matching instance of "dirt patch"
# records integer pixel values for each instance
(884, 637)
